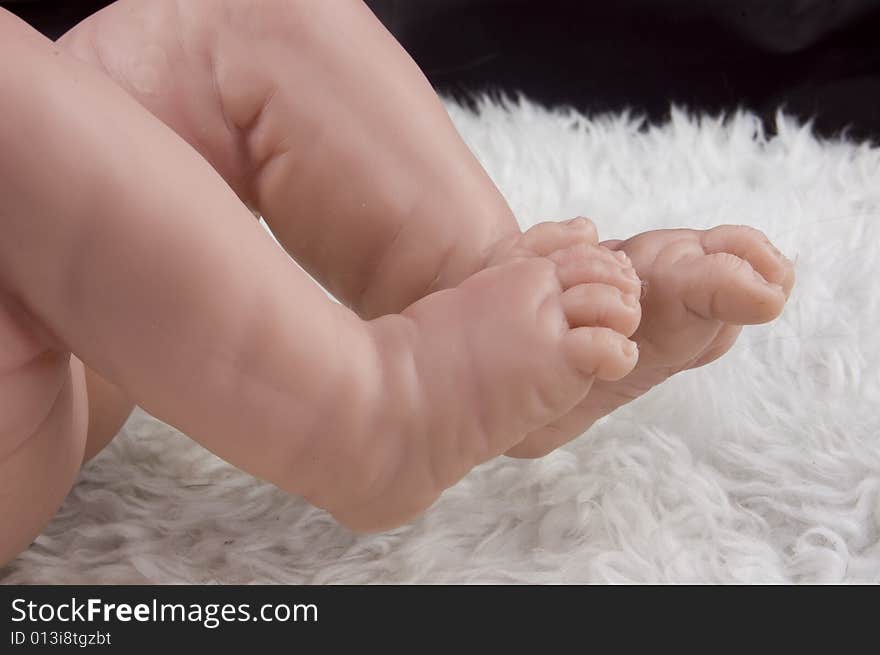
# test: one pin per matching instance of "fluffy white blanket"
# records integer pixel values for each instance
(762, 467)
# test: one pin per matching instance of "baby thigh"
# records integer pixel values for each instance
(43, 424)
(109, 408)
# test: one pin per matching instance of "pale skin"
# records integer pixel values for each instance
(133, 272)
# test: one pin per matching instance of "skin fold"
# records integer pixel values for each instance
(132, 269)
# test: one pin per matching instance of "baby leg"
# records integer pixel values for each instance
(314, 105)
(42, 425)
(46, 424)
(227, 340)
(319, 119)
(109, 408)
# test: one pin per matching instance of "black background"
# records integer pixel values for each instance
(818, 58)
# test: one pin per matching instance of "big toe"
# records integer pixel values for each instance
(546, 238)
(752, 246)
(724, 286)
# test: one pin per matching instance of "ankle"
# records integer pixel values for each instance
(460, 244)
(363, 441)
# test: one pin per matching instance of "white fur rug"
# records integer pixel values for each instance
(762, 467)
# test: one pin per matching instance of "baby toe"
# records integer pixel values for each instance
(583, 263)
(753, 246)
(602, 305)
(725, 287)
(600, 352)
(545, 238)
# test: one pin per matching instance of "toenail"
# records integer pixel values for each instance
(630, 300)
(630, 272)
(621, 256)
(629, 348)
(760, 278)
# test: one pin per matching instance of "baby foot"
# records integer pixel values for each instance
(700, 288)
(468, 372)
(550, 237)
